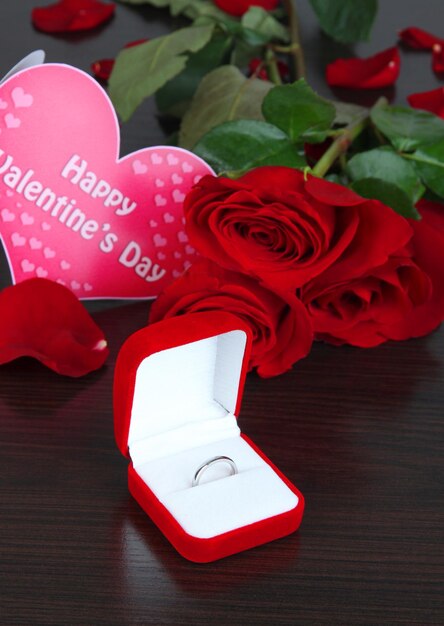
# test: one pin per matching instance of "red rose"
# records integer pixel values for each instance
(400, 299)
(275, 224)
(239, 7)
(280, 326)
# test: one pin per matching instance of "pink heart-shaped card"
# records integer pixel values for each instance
(70, 209)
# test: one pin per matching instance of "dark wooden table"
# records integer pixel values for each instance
(359, 432)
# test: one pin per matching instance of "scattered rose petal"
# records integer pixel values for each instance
(432, 101)
(44, 320)
(438, 58)
(102, 69)
(422, 40)
(419, 39)
(239, 7)
(380, 70)
(72, 15)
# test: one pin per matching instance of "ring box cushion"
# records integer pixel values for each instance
(177, 392)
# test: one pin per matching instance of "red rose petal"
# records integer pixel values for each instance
(136, 42)
(380, 70)
(432, 101)
(72, 15)
(433, 212)
(438, 58)
(44, 320)
(239, 7)
(273, 179)
(422, 40)
(371, 245)
(331, 193)
(418, 39)
(102, 69)
(428, 253)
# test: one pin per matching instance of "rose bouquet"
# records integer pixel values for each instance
(326, 219)
(299, 257)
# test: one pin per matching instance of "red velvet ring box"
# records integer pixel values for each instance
(177, 391)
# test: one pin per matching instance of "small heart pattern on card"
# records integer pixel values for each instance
(7, 216)
(139, 167)
(17, 240)
(71, 209)
(11, 121)
(20, 98)
(35, 243)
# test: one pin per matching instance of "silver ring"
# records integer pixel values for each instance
(207, 464)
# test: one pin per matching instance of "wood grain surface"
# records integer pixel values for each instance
(358, 431)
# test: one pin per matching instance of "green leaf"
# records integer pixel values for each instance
(346, 21)
(243, 144)
(195, 9)
(388, 193)
(262, 22)
(298, 110)
(174, 98)
(429, 163)
(348, 113)
(243, 53)
(236, 29)
(223, 95)
(384, 164)
(407, 128)
(141, 70)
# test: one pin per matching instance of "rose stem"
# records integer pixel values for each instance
(343, 161)
(272, 67)
(295, 36)
(343, 141)
(339, 146)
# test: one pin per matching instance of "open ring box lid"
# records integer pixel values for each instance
(177, 391)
